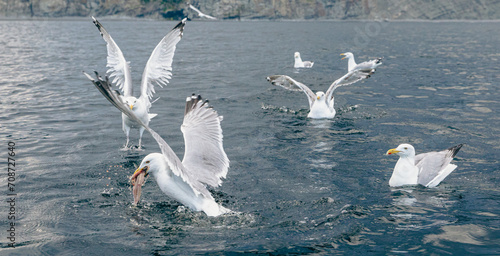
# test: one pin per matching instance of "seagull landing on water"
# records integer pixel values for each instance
(301, 64)
(427, 169)
(321, 104)
(157, 71)
(205, 161)
(202, 15)
(366, 66)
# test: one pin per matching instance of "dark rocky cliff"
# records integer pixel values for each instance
(258, 9)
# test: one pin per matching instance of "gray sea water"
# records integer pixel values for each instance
(300, 186)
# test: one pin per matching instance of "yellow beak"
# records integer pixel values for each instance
(318, 97)
(138, 171)
(392, 151)
(342, 55)
(131, 107)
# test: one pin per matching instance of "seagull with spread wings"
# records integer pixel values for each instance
(205, 162)
(320, 103)
(426, 169)
(158, 71)
(202, 15)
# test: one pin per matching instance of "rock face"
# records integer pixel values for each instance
(258, 9)
(83, 8)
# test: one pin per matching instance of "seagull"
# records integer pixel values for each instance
(427, 169)
(157, 71)
(320, 103)
(301, 64)
(367, 65)
(202, 15)
(205, 161)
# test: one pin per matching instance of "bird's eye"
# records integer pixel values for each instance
(406, 147)
(147, 162)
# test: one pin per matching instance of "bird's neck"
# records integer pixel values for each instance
(351, 63)
(298, 60)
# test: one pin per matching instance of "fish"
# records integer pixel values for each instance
(137, 183)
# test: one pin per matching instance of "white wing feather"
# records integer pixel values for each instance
(368, 65)
(435, 166)
(351, 77)
(158, 69)
(202, 15)
(173, 161)
(204, 155)
(118, 67)
(292, 85)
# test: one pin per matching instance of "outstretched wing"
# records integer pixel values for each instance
(434, 165)
(158, 69)
(204, 155)
(351, 77)
(174, 163)
(202, 15)
(118, 67)
(292, 85)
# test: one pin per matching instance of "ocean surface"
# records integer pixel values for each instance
(297, 186)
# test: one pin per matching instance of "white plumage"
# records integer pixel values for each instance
(427, 169)
(367, 66)
(205, 161)
(301, 64)
(158, 71)
(321, 104)
(202, 15)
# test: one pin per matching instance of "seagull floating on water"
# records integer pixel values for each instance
(157, 71)
(202, 15)
(301, 64)
(427, 169)
(205, 161)
(320, 103)
(366, 66)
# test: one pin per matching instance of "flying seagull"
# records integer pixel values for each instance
(366, 66)
(427, 169)
(202, 15)
(158, 71)
(301, 64)
(320, 103)
(205, 161)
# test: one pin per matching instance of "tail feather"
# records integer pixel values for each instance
(212, 208)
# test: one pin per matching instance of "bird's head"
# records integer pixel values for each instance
(403, 150)
(150, 164)
(320, 95)
(296, 55)
(347, 55)
(130, 102)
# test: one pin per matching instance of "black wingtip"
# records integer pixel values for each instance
(191, 102)
(99, 26)
(181, 25)
(96, 23)
(454, 150)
